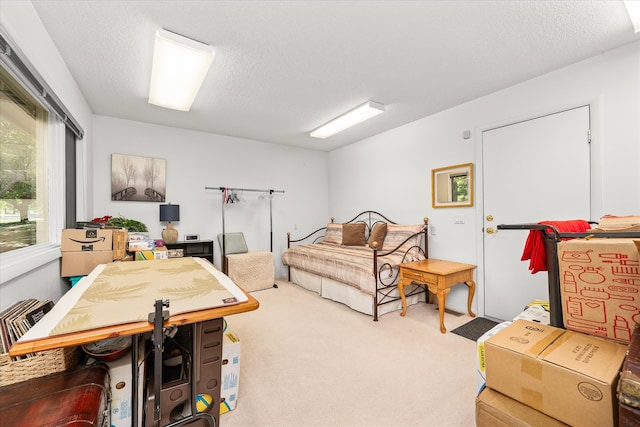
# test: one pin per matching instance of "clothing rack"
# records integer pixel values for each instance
(225, 200)
(551, 239)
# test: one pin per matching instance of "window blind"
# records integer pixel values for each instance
(16, 61)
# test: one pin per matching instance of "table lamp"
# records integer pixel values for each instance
(169, 213)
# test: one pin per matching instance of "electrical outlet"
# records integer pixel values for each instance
(458, 219)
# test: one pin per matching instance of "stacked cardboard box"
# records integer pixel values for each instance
(599, 285)
(120, 239)
(537, 311)
(494, 409)
(566, 375)
(83, 249)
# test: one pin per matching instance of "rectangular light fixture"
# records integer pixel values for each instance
(180, 65)
(359, 114)
(633, 9)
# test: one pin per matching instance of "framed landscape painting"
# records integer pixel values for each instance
(138, 179)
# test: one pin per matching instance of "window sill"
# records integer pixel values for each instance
(21, 261)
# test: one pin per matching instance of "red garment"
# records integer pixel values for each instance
(534, 248)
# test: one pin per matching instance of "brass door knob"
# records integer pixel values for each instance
(491, 230)
(489, 217)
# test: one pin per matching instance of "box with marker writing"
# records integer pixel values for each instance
(600, 286)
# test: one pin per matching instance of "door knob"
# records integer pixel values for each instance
(491, 230)
(489, 217)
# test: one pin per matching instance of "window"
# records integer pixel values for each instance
(35, 191)
(24, 208)
(32, 202)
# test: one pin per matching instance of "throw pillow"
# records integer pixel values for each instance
(333, 234)
(378, 234)
(353, 234)
(396, 234)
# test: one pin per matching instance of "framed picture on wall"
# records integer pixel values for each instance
(138, 179)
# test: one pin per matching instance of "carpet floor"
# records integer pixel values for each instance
(309, 361)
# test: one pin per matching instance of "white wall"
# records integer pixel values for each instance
(24, 27)
(196, 160)
(391, 171)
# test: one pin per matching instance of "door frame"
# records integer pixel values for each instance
(595, 113)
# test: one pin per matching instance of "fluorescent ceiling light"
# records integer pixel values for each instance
(357, 115)
(179, 67)
(633, 9)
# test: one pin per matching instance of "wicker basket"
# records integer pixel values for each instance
(43, 363)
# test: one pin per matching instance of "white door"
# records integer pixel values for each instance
(535, 170)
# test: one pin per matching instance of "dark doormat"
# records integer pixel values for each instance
(475, 328)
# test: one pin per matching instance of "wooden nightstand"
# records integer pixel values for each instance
(439, 276)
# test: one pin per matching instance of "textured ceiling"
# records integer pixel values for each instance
(282, 68)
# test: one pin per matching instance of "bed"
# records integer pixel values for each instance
(355, 262)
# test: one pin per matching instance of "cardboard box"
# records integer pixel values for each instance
(120, 382)
(600, 286)
(535, 313)
(230, 373)
(120, 239)
(619, 223)
(567, 375)
(86, 240)
(494, 409)
(480, 359)
(82, 263)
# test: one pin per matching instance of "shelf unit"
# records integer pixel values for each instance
(194, 248)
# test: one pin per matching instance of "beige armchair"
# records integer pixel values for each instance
(252, 271)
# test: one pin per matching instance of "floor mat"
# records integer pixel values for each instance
(475, 328)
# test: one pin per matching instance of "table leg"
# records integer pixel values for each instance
(404, 299)
(472, 290)
(442, 299)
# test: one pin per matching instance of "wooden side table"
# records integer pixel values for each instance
(439, 276)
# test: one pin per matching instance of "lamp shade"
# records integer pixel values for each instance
(169, 213)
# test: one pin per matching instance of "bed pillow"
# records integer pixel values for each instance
(353, 234)
(397, 234)
(378, 234)
(333, 234)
